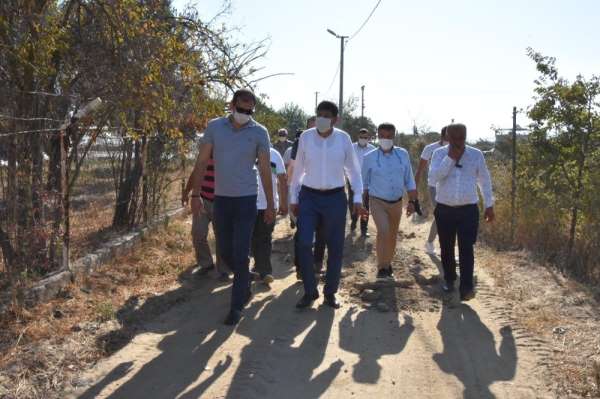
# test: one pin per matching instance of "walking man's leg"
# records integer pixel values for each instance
(353, 217)
(364, 221)
(468, 225)
(204, 260)
(319, 249)
(433, 229)
(262, 247)
(380, 217)
(307, 224)
(223, 226)
(245, 216)
(333, 211)
(447, 229)
(395, 214)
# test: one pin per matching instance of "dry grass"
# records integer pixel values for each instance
(558, 310)
(42, 349)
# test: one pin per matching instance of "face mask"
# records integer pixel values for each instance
(386, 144)
(240, 119)
(281, 139)
(362, 142)
(444, 142)
(323, 124)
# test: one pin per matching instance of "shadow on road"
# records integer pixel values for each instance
(470, 351)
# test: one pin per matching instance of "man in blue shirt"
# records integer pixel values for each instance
(237, 143)
(387, 174)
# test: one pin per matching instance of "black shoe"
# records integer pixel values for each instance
(382, 274)
(233, 318)
(298, 276)
(448, 287)
(390, 273)
(365, 234)
(467, 296)
(203, 271)
(306, 301)
(331, 301)
(224, 277)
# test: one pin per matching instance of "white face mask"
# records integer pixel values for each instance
(323, 124)
(281, 138)
(240, 118)
(386, 144)
(362, 142)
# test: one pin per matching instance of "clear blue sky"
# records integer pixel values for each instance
(427, 61)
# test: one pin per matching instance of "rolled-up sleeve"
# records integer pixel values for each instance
(298, 171)
(441, 164)
(484, 181)
(409, 177)
(264, 143)
(366, 172)
(353, 171)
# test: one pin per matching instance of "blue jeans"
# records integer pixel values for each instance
(234, 219)
(330, 210)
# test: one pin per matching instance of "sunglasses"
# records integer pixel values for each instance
(244, 111)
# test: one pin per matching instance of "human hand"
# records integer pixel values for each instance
(197, 205)
(269, 215)
(294, 209)
(489, 214)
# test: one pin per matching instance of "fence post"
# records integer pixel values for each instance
(513, 191)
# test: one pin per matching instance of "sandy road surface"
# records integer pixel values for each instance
(425, 346)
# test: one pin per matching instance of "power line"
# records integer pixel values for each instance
(366, 20)
(333, 80)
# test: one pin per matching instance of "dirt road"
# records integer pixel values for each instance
(403, 340)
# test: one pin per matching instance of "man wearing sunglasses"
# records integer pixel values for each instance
(237, 143)
(456, 171)
(325, 155)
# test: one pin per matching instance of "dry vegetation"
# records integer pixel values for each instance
(43, 349)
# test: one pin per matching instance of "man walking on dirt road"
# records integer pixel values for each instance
(362, 147)
(387, 174)
(325, 155)
(262, 236)
(421, 170)
(236, 142)
(457, 170)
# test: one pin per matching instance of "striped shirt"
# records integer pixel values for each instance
(207, 189)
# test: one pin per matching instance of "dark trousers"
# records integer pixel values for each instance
(364, 222)
(319, 248)
(462, 223)
(330, 209)
(262, 245)
(234, 219)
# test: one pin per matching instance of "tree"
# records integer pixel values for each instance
(566, 138)
(295, 117)
(352, 123)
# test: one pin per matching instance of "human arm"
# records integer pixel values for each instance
(297, 172)
(411, 186)
(282, 187)
(441, 165)
(264, 170)
(484, 182)
(352, 167)
(195, 180)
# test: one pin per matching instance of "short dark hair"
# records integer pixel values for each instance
(456, 126)
(328, 106)
(310, 120)
(244, 94)
(387, 126)
(443, 132)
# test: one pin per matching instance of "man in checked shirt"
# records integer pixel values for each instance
(456, 171)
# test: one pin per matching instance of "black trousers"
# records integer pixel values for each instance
(364, 222)
(262, 245)
(462, 223)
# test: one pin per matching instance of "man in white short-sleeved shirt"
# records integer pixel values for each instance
(262, 236)
(422, 169)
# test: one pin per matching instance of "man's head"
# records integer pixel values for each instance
(456, 134)
(242, 106)
(282, 134)
(310, 122)
(386, 133)
(363, 137)
(443, 135)
(327, 116)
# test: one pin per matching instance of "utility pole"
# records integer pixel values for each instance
(513, 190)
(342, 44)
(316, 100)
(362, 102)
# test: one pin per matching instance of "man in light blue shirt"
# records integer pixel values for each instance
(387, 174)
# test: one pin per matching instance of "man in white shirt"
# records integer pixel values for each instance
(423, 163)
(262, 235)
(362, 147)
(325, 156)
(457, 170)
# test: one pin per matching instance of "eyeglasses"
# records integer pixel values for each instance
(244, 111)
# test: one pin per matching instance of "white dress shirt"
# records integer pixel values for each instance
(457, 186)
(428, 153)
(362, 151)
(323, 164)
(277, 168)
